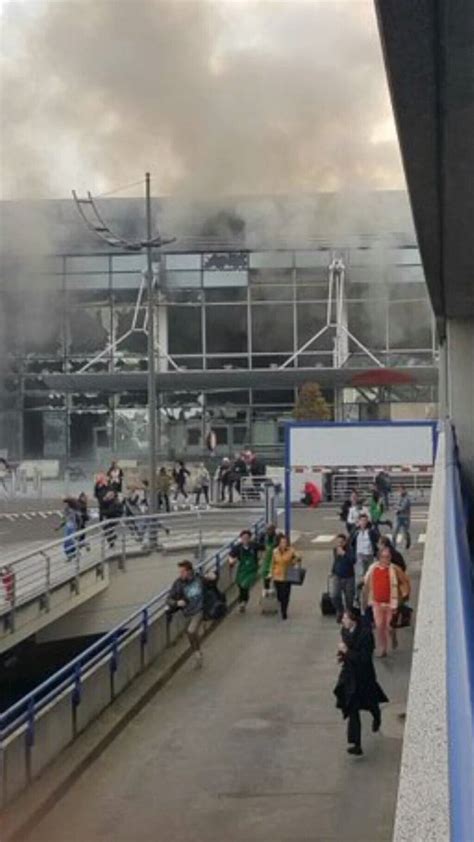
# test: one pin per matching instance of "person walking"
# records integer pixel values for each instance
(357, 687)
(397, 558)
(203, 482)
(163, 485)
(356, 509)
(101, 488)
(180, 476)
(384, 487)
(112, 511)
(284, 557)
(4, 472)
(246, 555)
(342, 577)
(240, 470)
(386, 587)
(83, 519)
(115, 477)
(403, 518)
(225, 479)
(187, 595)
(269, 542)
(363, 543)
(70, 523)
(377, 511)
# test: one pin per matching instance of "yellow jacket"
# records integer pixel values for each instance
(281, 562)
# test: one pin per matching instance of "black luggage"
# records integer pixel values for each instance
(215, 603)
(327, 607)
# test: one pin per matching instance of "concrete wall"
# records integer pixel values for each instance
(423, 794)
(57, 725)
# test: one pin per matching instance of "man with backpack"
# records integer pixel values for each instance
(199, 598)
(187, 595)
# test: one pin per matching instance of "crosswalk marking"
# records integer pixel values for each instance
(323, 539)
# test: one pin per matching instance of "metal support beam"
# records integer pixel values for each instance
(152, 503)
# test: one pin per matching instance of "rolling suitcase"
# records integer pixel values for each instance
(327, 607)
(269, 602)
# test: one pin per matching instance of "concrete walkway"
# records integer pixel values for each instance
(250, 749)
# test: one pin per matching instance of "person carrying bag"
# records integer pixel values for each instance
(286, 570)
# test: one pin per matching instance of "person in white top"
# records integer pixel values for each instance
(355, 511)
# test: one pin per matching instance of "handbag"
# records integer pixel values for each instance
(402, 617)
(296, 575)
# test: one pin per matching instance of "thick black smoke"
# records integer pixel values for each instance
(215, 98)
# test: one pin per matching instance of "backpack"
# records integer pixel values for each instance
(214, 603)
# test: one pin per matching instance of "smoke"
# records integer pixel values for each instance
(215, 98)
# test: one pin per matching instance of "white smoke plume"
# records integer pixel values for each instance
(215, 98)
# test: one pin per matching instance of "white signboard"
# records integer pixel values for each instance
(355, 445)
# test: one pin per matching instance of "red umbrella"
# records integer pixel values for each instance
(382, 377)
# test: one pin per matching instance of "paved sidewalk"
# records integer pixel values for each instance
(251, 748)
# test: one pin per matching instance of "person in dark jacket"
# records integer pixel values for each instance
(397, 558)
(180, 475)
(115, 477)
(384, 487)
(84, 518)
(239, 471)
(101, 488)
(357, 687)
(187, 594)
(226, 479)
(343, 577)
(112, 508)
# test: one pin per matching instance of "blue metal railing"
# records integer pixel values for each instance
(69, 677)
(460, 651)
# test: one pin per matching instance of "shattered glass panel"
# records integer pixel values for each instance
(131, 430)
(89, 329)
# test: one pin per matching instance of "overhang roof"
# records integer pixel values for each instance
(429, 56)
(225, 380)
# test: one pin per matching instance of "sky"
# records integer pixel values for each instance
(214, 97)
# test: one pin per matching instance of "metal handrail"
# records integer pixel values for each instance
(24, 711)
(35, 574)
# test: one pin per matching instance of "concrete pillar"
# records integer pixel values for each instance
(460, 372)
(338, 404)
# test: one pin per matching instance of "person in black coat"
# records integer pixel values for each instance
(357, 687)
(397, 557)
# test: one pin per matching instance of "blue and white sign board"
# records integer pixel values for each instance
(312, 446)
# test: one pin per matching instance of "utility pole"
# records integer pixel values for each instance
(152, 503)
(92, 218)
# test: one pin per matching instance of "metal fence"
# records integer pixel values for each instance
(24, 713)
(35, 574)
(418, 484)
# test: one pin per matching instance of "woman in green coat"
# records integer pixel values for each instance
(246, 555)
(377, 510)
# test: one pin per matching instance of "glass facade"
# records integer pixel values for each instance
(215, 310)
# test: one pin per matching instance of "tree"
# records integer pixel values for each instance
(311, 404)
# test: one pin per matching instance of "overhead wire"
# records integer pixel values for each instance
(119, 189)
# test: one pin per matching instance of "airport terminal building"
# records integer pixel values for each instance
(274, 292)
